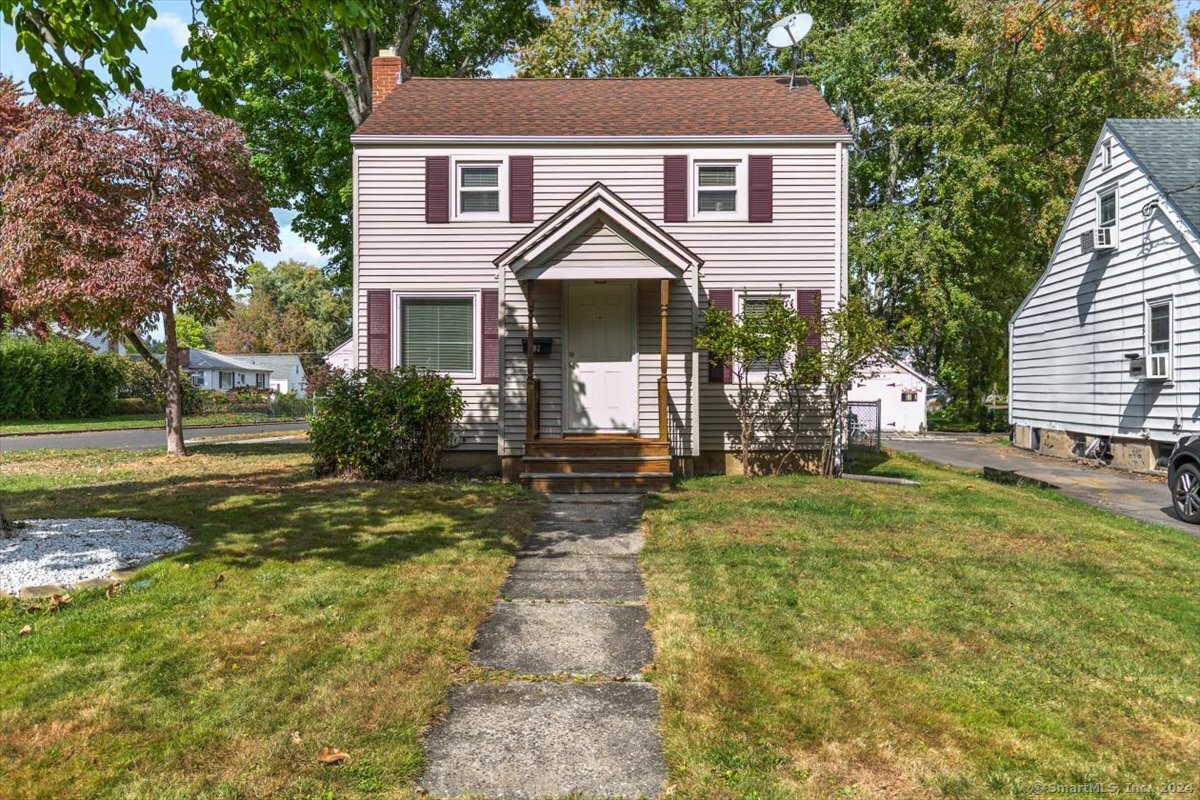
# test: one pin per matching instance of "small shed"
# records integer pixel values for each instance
(902, 393)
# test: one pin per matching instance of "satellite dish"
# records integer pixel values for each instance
(789, 30)
(787, 33)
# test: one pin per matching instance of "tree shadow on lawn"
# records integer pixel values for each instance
(284, 513)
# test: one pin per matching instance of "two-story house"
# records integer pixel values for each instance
(1104, 352)
(551, 244)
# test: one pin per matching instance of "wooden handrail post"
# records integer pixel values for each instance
(533, 395)
(664, 298)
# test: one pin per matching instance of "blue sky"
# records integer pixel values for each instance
(164, 38)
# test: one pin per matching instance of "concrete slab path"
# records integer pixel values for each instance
(572, 607)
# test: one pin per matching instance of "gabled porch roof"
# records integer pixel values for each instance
(662, 256)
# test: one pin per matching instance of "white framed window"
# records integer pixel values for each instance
(260, 380)
(198, 380)
(1160, 342)
(225, 380)
(1106, 219)
(753, 305)
(480, 189)
(908, 396)
(719, 189)
(438, 332)
(1106, 154)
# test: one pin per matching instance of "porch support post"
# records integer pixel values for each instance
(533, 395)
(664, 293)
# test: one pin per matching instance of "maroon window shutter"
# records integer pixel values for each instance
(762, 190)
(675, 199)
(520, 189)
(718, 370)
(489, 323)
(808, 305)
(437, 188)
(379, 329)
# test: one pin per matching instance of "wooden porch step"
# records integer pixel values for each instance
(595, 482)
(589, 446)
(640, 465)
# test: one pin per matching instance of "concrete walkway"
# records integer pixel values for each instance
(573, 606)
(1142, 497)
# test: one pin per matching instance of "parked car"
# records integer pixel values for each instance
(1183, 476)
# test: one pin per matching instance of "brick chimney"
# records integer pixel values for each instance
(185, 356)
(388, 71)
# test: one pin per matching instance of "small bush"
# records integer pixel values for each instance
(290, 405)
(385, 425)
(140, 380)
(143, 382)
(135, 405)
(55, 379)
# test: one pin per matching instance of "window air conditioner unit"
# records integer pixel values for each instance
(1104, 238)
(1158, 366)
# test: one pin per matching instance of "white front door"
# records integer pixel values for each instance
(600, 354)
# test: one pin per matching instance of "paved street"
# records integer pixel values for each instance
(1140, 497)
(141, 439)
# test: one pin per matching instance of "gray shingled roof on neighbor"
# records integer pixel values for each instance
(1169, 151)
(207, 359)
(282, 365)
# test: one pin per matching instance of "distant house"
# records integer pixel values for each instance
(902, 393)
(102, 343)
(209, 370)
(342, 356)
(287, 373)
(1104, 352)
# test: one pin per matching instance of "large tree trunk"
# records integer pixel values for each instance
(174, 387)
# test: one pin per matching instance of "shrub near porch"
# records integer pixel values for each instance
(962, 639)
(343, 609)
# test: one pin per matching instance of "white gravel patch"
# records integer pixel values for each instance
(66, 551)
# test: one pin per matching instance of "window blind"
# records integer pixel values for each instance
(438, 334)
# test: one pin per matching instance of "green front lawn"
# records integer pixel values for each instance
(118, 422)
(344, 610)
(961, 639)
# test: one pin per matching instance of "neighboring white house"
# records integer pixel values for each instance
(551, 245)
(1105, 350)
(901, 392)
(287, 373)
(209, 370)
(102, 343)
(342, 356)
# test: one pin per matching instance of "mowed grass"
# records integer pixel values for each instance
(343, 612)
(125, 422)
(961, 639)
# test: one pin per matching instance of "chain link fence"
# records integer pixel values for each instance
(863, 424)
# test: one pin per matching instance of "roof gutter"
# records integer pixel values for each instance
(384, 139)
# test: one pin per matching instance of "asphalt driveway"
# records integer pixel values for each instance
(140, 439)
(1141, 497)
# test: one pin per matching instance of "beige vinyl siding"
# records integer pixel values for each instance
(1068, 369)
(397, 250)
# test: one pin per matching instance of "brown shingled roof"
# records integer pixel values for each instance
(760, 106)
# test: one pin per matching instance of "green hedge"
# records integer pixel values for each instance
(56, 379)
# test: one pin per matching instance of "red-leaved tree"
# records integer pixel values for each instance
(115, 222)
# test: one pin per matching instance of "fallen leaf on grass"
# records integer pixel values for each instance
(219, 580)
(28, 629)
(331, 755)
(58, 601)
(296, 737)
